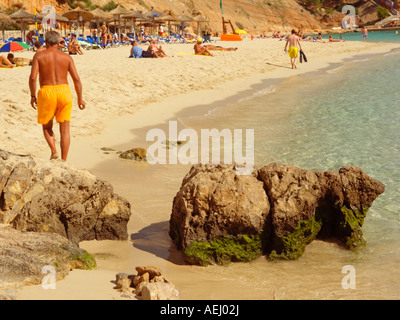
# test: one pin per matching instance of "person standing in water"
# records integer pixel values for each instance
(365, 33)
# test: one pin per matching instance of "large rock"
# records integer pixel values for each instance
(306, 204)
(218, 216)
(54, 197)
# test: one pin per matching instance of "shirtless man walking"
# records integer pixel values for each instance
(294, 45)
(54, 97)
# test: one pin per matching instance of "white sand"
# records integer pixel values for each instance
(124, 95)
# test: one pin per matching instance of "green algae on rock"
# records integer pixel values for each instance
(292, 245)
(293, 206)
(138, 154)
(349, 227)
(223, 250)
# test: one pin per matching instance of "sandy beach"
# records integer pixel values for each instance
(125, 98)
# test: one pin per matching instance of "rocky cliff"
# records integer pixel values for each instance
(255, 16)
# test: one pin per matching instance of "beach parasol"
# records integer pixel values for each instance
(3, 18)
(99, 14)
(23, 17)
(167, 18)
(13, 46)
(200, 19)
(119, 11)
(136, 16)
(184, 18)
(154, 13)
(79, 15)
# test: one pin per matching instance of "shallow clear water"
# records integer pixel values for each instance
(348, 114)
(373, 36)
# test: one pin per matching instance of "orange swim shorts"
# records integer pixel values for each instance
(54, 101)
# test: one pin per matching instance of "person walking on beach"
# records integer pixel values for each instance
(54, 97)
(365, 33)
(294, 45)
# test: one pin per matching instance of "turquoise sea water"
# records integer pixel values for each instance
(373, 36)
(347, 114)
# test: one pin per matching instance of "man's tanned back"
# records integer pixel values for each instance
(53, 67)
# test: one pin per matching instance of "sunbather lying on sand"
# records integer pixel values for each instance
(334, 40)
(5, 63)
(219, 48)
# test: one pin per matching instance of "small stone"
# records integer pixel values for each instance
(139, 287)
(159, 291)
(145, 277)
(123, 282)
(153, 271)
(138, 154)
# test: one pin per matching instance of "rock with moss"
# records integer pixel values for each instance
(223, 250)
(138, 154)
(322, 204)
(279, 208)
(23, 256)
(217, 208)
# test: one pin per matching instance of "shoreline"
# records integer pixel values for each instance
(149, 242)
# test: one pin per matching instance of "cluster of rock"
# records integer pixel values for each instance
(52, 207)
(52, 196)
(147, 283)
(219, 216)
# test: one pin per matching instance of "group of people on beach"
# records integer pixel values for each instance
(52, 65)
(153, 51)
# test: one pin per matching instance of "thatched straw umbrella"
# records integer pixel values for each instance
(135, 16)
(23, 17)
(200, 19)
(100, 15)
(118, 12)
(184, 18)
(3, 19)
(167, 18)
(79, 14)
(152, 14)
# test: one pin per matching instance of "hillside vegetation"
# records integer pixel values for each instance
(255, 16)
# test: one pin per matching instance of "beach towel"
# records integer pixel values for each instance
(3, 67)
(302, 56)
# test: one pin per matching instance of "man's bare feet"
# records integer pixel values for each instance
(54, 156)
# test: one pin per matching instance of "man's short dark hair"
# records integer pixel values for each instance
(52, 37)
(293, 31)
